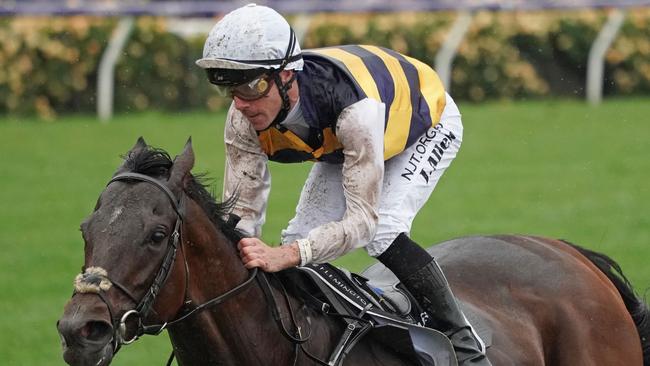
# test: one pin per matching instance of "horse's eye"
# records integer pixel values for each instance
(158, 236)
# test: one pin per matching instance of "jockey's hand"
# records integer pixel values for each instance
(255, 253)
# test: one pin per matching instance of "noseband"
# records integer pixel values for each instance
(144, 306)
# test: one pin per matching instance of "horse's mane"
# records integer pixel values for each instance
(157, 163)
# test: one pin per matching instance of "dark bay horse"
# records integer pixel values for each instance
(160, 254)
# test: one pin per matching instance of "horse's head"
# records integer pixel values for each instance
(131, 240)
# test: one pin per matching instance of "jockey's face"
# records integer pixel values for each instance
(261, 112)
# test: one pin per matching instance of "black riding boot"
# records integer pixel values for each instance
(430, 288)
(422, 276)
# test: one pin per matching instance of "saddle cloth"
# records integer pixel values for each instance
(378, 296)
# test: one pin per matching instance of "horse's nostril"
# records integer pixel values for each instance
(95, 330)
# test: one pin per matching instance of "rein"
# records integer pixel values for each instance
(144, 306)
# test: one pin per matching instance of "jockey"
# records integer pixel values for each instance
(381, 131)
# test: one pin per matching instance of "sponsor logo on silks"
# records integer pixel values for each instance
(432, 155)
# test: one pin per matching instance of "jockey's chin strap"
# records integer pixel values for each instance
(283, 88)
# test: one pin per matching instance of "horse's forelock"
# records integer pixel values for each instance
(157, 163)
(149, 161)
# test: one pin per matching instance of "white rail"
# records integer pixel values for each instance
(596, 63)
(105, 77)
(301, 25)
(447, 53)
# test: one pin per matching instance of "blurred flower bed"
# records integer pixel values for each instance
(48, 65)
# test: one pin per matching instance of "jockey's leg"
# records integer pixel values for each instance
(409, 180)
(424, 279)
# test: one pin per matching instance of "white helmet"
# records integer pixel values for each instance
(251, 37)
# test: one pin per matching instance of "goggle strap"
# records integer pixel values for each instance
(278, 61)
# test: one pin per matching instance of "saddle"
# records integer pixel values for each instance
(374, 304)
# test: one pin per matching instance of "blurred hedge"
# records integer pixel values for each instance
(49, 65)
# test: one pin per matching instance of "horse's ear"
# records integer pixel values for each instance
(139, 146)
(183, 164)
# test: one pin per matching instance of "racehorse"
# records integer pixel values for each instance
(161, 254)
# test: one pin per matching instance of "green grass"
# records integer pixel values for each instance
(559, 169)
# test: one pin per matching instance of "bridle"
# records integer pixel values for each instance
(144, 305)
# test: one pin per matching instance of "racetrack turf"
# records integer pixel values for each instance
(554, 168)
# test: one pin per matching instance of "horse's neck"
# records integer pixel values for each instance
(239, 330)
(213, 261)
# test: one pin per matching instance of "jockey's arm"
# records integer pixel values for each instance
(360, 130)
(246, 173)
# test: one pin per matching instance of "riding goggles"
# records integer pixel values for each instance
(252, 90)
(245, 84)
